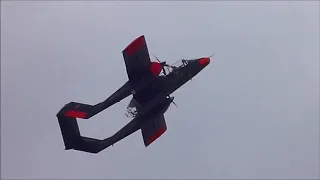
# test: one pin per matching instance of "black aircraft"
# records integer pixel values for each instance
(151, 98)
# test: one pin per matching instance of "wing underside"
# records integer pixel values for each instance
(153, 129)
(136, 57)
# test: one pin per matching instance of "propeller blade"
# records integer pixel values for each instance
(174, 103)
(164, 71)
(172, 98)
(158, 60)
(162, 64)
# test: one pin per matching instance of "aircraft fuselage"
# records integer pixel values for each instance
(161, 86)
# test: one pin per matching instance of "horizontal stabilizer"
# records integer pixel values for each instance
(80, 110)
(73, 139)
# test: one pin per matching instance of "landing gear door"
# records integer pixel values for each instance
(132, 109)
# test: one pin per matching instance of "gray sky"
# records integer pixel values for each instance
(252, 113)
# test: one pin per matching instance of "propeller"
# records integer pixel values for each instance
(174, 103)
(172, 98)
(163, 64)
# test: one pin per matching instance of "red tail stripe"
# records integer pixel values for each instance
(76, 114)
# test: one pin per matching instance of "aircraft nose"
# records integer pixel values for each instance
(204, 61)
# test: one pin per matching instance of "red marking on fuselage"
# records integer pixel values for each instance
(76, 114)
(134, 45)
(155, 68)
(157, 134)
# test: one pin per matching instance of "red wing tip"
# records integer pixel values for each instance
(156, 135)
(134, 45)
(75, 114)
(136, 40)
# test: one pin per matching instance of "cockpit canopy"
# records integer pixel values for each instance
(170, 68)
(181, 63)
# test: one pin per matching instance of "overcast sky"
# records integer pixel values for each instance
(252, 113)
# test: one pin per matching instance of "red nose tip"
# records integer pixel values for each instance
(204, 61)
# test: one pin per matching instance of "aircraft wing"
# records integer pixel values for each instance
(136, 57)
(153, 129)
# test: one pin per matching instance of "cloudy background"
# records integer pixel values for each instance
(252, 113)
